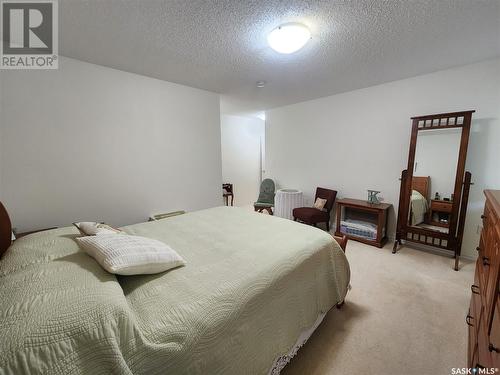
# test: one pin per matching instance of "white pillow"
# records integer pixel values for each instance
(130, 255)
(91, 228)
(320, 203)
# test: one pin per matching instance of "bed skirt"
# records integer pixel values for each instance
(280, 362)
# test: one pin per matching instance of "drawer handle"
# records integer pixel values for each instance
(468, 319)
(486, 261)
(483, 216)
(474, 289)
(491, 348)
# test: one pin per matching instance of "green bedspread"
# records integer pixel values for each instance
(251, 285)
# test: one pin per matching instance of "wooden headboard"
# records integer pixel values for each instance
(5, 230)
(421, 184)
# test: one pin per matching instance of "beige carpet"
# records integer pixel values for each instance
(404, 315)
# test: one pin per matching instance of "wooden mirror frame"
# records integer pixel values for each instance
(451, 241)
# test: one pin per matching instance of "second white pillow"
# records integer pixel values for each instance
(91, 228)
(130, 255)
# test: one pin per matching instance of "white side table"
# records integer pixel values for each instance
(285, 201)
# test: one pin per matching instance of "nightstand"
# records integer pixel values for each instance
(443, 211)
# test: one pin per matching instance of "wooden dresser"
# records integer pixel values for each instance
(483, 318)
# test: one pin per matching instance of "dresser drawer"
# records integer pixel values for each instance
(481, 277)
(489, 217)
(493, 256)
(482, 245)
(472, 333)
(476, 305)
(440, 206)
(483, 353)
(494, 337)
(472, 348)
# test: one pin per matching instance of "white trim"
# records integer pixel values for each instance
(280, 362)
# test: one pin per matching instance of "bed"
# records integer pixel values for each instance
(419, 199)
(253, 290)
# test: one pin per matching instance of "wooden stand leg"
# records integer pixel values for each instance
(402, 214)
(395, 247)
(461, 219)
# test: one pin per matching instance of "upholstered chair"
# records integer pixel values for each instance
(312, 215)
(266, 197)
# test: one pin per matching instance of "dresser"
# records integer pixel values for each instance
(483, 318)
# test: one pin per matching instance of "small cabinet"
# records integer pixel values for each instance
(362, 221)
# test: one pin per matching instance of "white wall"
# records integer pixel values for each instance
(87, 142)
(436, 155)
(360, 139)
(242, 139)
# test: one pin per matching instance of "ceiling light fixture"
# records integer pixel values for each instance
(289, 38)
(261, 84)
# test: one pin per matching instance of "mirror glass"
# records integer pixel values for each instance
(433, 181)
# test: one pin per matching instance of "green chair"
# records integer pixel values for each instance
(266, 197)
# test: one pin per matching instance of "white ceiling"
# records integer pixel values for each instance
(220, 45)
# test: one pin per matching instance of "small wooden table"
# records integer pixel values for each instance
(360, 210)
(443, 209)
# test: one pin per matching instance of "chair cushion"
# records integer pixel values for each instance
(310, 215)
(260, 204)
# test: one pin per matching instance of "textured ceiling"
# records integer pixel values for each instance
(220, 45)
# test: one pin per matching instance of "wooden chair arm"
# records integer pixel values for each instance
(342, 241)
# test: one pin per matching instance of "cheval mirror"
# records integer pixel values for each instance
(435, 186)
